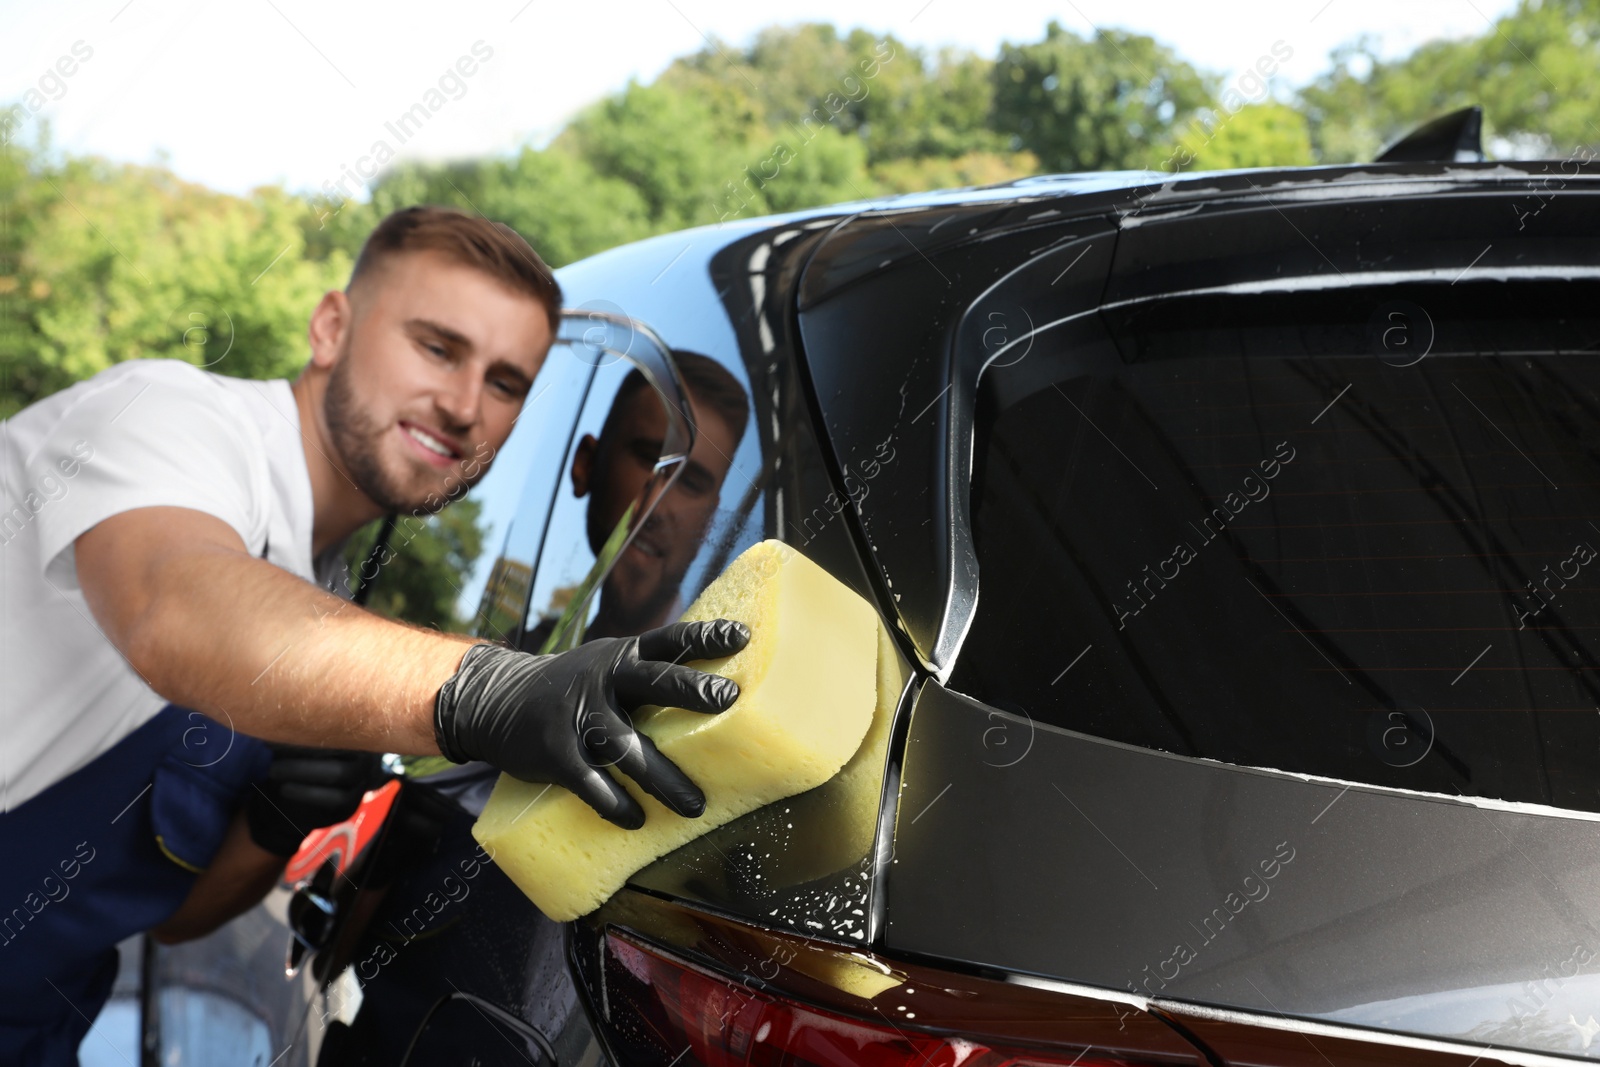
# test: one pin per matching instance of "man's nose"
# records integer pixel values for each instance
(459, 400)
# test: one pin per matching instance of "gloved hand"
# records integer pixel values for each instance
(307, 788)
(563, 718)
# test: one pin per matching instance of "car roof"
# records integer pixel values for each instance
(1106, 191)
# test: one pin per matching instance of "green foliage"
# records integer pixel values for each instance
(555, 199)
(1256, 135)
(421, 581)
(939, 172)
(674, 148)
(1533, 72)
(102, 262)
(899, 101)
(1105, 103)
(121, 262)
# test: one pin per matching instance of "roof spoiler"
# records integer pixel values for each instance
(1453, 138)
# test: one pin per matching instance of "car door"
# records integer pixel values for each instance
(1270, 689)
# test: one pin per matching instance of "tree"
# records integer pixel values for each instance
(674, 148)
(940, 172)
(124, 262)
(1256, 135)
(1106, 103)
(431, 556)
(1532, 71)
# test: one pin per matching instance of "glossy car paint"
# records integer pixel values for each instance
(1402, 912)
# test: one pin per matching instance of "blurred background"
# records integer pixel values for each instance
(184, 180)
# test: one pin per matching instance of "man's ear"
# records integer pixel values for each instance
(583, 464)
(330, 323)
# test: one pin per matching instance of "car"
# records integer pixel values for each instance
(1234, 538)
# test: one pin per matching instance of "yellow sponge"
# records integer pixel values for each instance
(807, 683)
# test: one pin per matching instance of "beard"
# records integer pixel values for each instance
(358, 443)
(634, 600)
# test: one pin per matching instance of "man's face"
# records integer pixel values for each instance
(433, 370)
(647, 575)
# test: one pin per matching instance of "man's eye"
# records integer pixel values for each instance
(437, 350)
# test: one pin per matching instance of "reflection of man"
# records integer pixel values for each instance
(612, 471)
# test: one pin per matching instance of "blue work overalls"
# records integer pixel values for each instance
(107, 852)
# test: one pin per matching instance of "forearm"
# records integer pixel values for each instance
(240, 874)
(280, 659)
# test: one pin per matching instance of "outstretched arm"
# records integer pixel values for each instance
(210, 627)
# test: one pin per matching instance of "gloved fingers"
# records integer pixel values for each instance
(661, 778)
(670, 685)
(685, 641)
(601, 792)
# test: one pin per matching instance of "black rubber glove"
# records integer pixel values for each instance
(563, 718)
(307, 788)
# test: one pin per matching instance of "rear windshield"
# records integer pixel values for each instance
(1365, 565)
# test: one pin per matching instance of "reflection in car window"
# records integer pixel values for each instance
(514, 521)
(1333, 566)
(614, 451)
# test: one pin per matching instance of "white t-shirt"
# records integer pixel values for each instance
(145, 433)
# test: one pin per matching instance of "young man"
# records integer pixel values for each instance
(170, 540)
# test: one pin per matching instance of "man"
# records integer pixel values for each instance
(170, 539)
(612, 471)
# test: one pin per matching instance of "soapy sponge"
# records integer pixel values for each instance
(807, 683)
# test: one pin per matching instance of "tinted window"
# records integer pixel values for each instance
(691, 531)
(1373, 569)
(516, 494)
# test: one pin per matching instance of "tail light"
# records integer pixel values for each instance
(665, 1012)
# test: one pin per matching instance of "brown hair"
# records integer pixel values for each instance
(470, 240)
(714, 389)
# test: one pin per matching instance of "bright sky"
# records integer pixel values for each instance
(257, 91)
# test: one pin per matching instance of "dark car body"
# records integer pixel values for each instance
(1233, 532)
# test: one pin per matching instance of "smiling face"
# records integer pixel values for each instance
(645, 580)
(428, 362)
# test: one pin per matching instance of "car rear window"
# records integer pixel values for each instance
(1376, 562)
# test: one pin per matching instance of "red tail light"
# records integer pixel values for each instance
(669, 1012)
